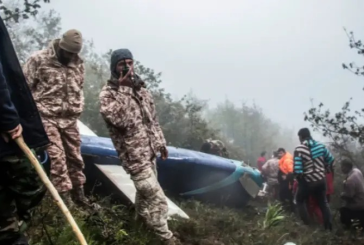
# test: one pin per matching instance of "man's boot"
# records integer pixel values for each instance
(79, 198)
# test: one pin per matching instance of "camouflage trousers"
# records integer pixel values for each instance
(151, 202)
(65, 154)
(21, 189)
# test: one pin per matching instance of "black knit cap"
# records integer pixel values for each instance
(116, 57)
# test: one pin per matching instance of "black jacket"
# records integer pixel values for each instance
(16, 101)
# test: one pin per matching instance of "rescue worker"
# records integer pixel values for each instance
(215, 147)
(206, 147)
(353, 195)
(129, 112)
(270, 173)
(285, 177)
(55, 76)
(311, 162)
(220, 148)
(261, 160)
(313, 207)
(21, 189)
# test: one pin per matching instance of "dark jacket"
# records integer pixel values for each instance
(16, 101)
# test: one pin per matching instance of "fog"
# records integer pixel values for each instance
(278, 54)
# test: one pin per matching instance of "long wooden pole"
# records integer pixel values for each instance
(20, 141)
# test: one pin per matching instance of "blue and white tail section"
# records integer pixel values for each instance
(186, 173)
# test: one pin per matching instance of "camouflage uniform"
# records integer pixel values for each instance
(217, 147)
(270, 171)
(58, 93)
(131, 118)
(21, 189)
(151, 202)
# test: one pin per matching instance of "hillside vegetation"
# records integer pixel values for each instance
(187, 122)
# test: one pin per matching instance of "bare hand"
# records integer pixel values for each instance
(122, 79)
(12, 134)
(164, 153)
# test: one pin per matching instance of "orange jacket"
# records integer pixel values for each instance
(286, 163)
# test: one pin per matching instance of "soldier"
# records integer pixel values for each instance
(20, 187)
(129, 112)
(221, 149)
(215, 147)
(55, 76)
(270, 171)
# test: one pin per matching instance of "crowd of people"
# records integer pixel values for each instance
(304, 182)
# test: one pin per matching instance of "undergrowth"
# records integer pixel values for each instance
(116, 224)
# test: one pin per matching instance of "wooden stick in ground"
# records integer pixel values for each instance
(50, 187)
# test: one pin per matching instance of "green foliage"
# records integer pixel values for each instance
(116, 224)
(113, 224)
(273, 216)
(211, 225)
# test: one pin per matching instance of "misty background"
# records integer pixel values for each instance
(278, 54)
(241, 72)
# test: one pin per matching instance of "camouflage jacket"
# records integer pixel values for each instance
(131, 118)
(270, 170)
(57, 89)
(217, 148)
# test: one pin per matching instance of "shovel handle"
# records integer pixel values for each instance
(29, 154)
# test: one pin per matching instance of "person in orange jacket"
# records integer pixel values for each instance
(285, 177)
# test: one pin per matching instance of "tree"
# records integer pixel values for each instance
(180, 120)
(248, 131)
(244, 130)
(343, 128)
(29, 38)
(28, 8)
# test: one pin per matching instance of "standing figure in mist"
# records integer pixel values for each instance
(312, 160)
(55, 77)
(214, 147)
(270, 172)
(129, 112)
(353, 195)
(285, 178)
(261, 160)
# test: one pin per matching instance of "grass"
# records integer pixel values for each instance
(115, 224)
